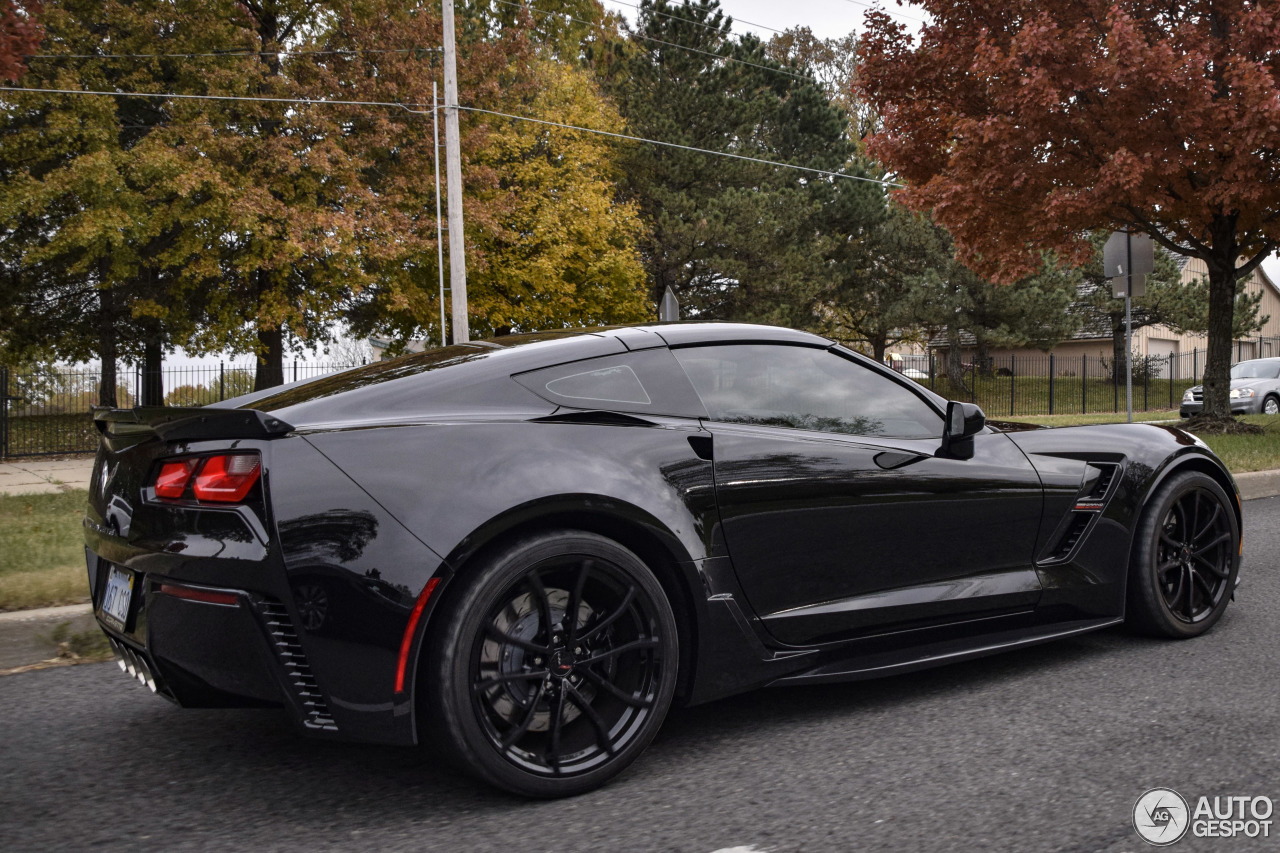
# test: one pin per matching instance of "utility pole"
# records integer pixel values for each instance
(1128, 325)
(435, 167)
(453, 176)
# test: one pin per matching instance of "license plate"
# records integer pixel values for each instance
(115, 601)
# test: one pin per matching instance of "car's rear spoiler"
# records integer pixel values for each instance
(173, 423)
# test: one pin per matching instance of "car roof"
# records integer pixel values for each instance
(440, 377)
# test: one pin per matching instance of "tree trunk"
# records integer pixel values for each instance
(982, 361)
(152, 362)
(878, 346)
(107, 350)
(955, 366)
(1118, 352)
(1217, 365)
(270, 372)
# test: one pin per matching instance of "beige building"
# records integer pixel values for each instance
(1185, 353)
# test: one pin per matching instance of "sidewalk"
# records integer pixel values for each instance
(43, 476)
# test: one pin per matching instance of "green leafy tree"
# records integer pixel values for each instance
(732, 239)
(954, 301)
(97, 194)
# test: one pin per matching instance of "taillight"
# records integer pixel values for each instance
(173, 477)
(226, 478)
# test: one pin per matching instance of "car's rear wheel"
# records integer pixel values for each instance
(1184, 564)
(553, 665)
(1271, 405)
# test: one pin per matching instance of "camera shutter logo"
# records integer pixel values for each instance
(1161, 816)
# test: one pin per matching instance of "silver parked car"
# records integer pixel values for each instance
(1255, 388)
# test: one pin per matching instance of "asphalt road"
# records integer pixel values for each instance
(1043, 749)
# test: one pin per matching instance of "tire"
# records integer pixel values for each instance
(1184, 563)
(534, 703)
(1271, 405)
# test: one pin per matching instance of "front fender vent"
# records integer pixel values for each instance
(1099, 485)
(1071, 538)
(315, 713)
(1102, 485)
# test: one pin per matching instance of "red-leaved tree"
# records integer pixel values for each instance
(1024, 124)
(19, 36)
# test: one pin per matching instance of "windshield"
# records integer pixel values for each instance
(1256, 370)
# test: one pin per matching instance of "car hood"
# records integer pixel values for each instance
(1241, 383)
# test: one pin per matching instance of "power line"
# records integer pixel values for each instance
(698, 23)
(775, 70)
(304, 101)
(630, 138)
(234, 52)
(409, 109)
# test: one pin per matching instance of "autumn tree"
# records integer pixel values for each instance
(1024, 125)
(98, 194)
(565, 252)
(20, 35)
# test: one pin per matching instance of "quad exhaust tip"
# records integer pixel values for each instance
(134, 665)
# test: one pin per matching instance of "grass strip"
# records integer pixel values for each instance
(42, 550)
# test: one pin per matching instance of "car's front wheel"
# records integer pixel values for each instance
(1271, 405)
(1184, 562)
(553, 665)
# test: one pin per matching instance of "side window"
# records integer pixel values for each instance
(617, 384)
(647, 381)
(804, 388)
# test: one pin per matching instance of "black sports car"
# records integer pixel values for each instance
(526, 549)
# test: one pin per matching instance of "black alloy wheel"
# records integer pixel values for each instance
(556, 664)
(1184, 568)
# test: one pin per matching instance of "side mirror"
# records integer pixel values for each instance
(964, 421)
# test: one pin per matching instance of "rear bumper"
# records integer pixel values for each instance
(207, 647)
(1238, 407)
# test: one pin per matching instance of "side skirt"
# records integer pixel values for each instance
(924, 657)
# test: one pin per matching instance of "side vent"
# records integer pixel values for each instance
(1094, 493)
(316, 714)
(1102, 485)
(1075, 530)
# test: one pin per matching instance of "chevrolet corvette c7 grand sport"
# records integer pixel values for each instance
(526, 550)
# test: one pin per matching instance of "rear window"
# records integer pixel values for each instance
(371, 374)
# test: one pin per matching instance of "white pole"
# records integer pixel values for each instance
(1128, 325)
(435, 167)
(453, 175)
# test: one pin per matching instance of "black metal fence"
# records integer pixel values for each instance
(46, 411)
(1045, 384)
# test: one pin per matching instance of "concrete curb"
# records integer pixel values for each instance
(26, 636)
(1258, 484)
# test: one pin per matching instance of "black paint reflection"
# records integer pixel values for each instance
(340, 535)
